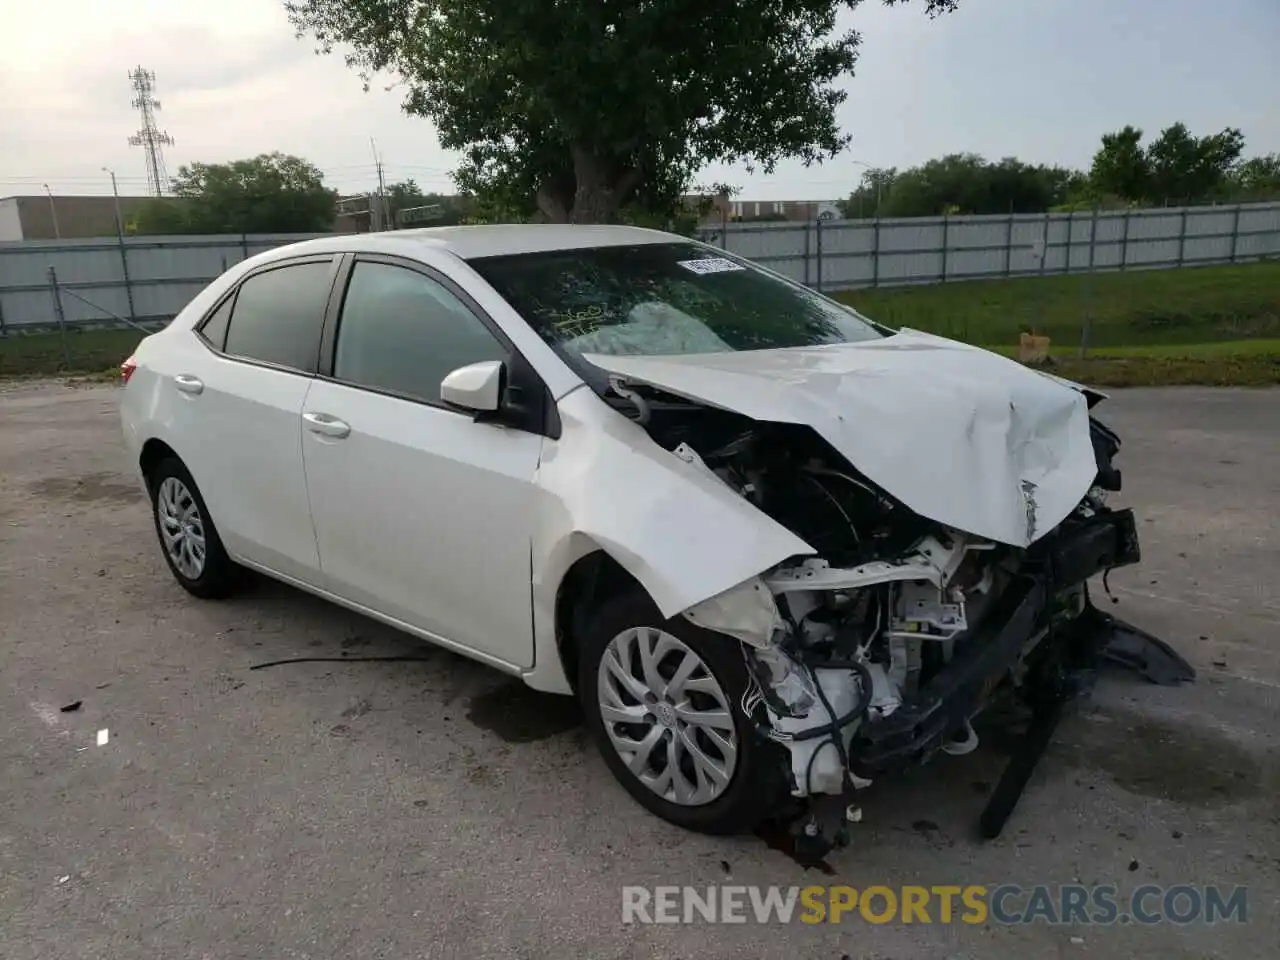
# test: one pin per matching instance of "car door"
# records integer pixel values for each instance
(421, 512)
(237, 419)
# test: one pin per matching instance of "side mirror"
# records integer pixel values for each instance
(476, 387)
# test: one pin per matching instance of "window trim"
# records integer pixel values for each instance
(516, 363)
(226, 300)
(334, 261)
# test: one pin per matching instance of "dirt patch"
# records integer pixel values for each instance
(1196, 766)
(90, 488)
(519, 714)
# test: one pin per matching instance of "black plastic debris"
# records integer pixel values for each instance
(73, 707)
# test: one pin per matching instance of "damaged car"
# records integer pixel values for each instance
(777, 550)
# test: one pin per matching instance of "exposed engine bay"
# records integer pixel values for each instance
(878, 652)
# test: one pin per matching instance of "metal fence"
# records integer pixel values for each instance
(848, 254)
(107, 281)
(147, 280)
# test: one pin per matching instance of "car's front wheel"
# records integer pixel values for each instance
(662, 699)
(188, 538)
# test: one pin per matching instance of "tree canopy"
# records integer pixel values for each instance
(1176, 167)
(577, 107)
(961, 183)
(270, 193)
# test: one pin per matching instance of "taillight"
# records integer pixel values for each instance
(127, 368)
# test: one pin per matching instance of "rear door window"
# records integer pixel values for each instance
(278, 315)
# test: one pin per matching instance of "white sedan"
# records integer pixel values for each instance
(775, 548)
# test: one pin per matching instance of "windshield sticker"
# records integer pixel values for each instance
(710, 265)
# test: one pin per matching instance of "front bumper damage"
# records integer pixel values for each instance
(1040, 636)
(913, 732)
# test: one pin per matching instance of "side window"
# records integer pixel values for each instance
(403, 332)
(214, 329)
(278, 316)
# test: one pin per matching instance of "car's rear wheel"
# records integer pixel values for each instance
(662, 699)
(188, 538)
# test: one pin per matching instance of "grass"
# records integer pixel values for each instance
(86, 352)
(1215, 326)
(1237, 363)
(1202, 325)
(1194, 305)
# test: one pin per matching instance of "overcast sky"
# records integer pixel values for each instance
(1038, 79)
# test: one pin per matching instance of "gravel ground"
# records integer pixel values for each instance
(437, 808)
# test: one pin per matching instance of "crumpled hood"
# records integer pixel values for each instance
(960, 435)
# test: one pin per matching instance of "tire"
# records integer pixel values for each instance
(756, 787)
(216, 575)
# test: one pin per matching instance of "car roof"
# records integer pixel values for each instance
(488, 240)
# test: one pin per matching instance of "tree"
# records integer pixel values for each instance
(962, 183)
(1175, 166)
(270, 193)
(1184, 167)
(1258, 178)
(1120, 167)
(872, 189)
(577, 107)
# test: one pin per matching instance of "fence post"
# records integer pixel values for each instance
(244, 246)
(1093, 235)
(1182, 238)
(57, 309)
(807, 243)
(1008, 246)
(946, 240)
(819, 232)
(1071, 230)
(1085, 327)
(1044, 244)
(1124, 241)
(3, 331)
(875, 252)
(1235, 233)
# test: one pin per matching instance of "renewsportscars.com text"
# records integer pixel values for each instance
(946, 903)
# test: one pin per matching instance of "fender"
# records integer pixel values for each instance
(682, 533)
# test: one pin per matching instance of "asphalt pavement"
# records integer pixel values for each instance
(436, 808)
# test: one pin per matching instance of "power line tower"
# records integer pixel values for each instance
(149, 136)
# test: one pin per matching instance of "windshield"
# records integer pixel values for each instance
(662, 299)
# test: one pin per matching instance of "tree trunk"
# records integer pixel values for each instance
(600, 186)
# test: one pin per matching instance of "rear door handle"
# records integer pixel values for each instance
(188, 384)
(326, 425)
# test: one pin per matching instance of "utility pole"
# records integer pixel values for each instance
(115, 195)
(53, 213)
(149, 136)
(381, 214)
(124, 253)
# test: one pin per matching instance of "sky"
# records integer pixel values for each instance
(1038, 79)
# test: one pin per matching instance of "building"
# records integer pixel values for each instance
(794, 211)
(42, 217)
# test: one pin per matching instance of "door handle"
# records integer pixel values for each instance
(188, 384)
(326, 425)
